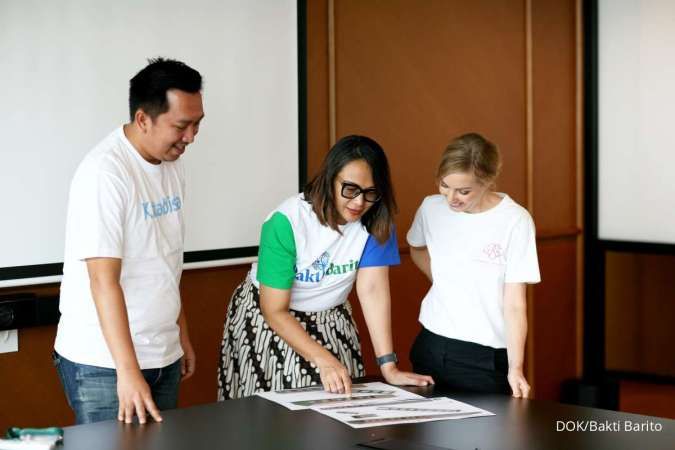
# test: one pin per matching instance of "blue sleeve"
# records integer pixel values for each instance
(376, 254)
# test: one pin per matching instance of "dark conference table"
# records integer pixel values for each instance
(255, 423)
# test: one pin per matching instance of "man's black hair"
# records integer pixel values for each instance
(147, 89)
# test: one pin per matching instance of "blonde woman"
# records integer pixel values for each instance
(478, 249)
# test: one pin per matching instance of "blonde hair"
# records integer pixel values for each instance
(471, 153)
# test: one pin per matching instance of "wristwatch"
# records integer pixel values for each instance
(384, 359)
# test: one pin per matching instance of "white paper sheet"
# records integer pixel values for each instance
(304, 398)
(399, 411)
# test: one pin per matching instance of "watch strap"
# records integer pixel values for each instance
(384, 359)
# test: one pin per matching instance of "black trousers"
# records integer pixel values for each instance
(460, 365)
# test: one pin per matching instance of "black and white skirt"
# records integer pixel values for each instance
(253, 358)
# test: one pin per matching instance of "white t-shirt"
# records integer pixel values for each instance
(121, 206)
(317, 263)
(472, 256)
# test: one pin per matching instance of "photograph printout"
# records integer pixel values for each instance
(305, 398)
(400, 411)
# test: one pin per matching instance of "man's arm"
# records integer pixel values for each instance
(132, 391)
(189, 361)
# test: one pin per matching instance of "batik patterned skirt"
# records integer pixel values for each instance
(253, 358)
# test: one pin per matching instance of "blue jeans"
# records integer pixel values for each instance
(92, 391)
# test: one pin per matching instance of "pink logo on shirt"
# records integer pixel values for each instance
(493, 251)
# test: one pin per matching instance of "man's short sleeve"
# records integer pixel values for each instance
(97, 215)
(415, 236)
(277, 254)
(522, 265)
(376, 254)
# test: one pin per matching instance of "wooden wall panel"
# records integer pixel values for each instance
(31, 391)
(622, 307)
(318, 141)
(553, 83)
(639, 309)
(553, 329)
(206, 294)
(553, 334)
(657, 300)
(648, 399)
(415, 74)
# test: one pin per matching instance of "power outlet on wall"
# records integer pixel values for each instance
(9, 341)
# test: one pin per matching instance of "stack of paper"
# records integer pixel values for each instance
(374, 404)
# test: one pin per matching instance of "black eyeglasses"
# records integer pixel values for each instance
(351, 191)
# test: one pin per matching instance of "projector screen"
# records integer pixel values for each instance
(636, 112)
(65, 72)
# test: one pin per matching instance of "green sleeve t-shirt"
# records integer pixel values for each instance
(318, 264)
(276, 255)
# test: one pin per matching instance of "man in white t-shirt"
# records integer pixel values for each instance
(122, 344)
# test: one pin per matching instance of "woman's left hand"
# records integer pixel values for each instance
(518, 383)
(392, 375)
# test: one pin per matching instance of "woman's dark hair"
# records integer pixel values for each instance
(147, 89)
(320, 192)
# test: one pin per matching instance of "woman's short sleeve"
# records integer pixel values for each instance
(522, 265)
(276, 254)
(376, 254)
(415, 235)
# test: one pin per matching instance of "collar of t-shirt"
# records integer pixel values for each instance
(147, 166)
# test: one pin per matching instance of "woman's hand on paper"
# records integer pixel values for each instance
(394, 376)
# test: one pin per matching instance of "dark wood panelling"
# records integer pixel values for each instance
(649, 399)
(639, 310)
(205, 294)
(657, 300)
(553, 83)
(554, 194)
(318, 141)
(31, 391)
(622, 307)
(554, 326)
(415, 74)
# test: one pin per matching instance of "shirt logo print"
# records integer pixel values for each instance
(493, 251)
(322, 267)
(167, 205)
(321, 262)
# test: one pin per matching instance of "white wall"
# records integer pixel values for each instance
(65, 68)
(637, 120)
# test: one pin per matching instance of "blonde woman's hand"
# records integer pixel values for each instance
(519, 385)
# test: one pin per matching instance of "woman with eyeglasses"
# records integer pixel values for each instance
(478, 249)
(289, 323)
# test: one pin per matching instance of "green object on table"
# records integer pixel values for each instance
(54, 434)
